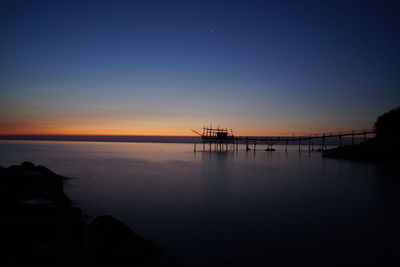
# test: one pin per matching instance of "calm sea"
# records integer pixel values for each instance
(232, 208)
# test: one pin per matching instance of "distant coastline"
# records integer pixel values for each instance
(105, 138)
(140, 139)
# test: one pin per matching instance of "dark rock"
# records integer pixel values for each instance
(388, 124)
(52, 183)
(371, 151)
(39, 226)
(56, 254)
(60, 198)
(27, 165)
(36, 211)
(384, 147)
(47, 172)
(40, 178)
(112, 241)
(27, 181)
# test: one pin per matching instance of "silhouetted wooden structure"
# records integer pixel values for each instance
(223, 140)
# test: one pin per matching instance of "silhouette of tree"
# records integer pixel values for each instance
(388, 124)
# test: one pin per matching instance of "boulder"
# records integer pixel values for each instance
(39, 177)
(36, 211)
(113, 242)
(45, 171)
(26, 165)
(52, 184)
(39, 226)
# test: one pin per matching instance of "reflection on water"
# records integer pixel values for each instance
(237, 208)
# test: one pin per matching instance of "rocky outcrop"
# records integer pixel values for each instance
(370, 151)
(113, 242)
(39, 226)
(385, 146)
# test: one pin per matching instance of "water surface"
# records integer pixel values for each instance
(237, 208)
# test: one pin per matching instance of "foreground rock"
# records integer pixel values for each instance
(113, 242)
(39, 226)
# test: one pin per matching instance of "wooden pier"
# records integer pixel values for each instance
(220, 139)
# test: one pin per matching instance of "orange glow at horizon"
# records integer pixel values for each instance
(148, 69)
(44, 122)
(141, 130)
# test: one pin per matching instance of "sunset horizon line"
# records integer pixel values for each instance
(163, 135)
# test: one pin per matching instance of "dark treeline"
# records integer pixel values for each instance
(384, 147)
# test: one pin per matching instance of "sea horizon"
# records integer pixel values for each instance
(145, 139)
(105, 138)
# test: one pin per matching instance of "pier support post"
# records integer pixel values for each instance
(194, 147)
(352, 138)
(309, 145)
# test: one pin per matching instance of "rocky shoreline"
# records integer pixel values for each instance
(371, 151)
(39, 226)
(384, 147)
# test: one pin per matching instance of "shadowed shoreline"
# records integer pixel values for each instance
(385, 147)
(370, 151)
(39, 226)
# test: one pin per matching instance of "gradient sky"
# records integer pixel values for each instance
(164, 67)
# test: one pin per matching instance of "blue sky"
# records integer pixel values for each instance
(163, 67)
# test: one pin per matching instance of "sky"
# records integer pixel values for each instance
(165, 67)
